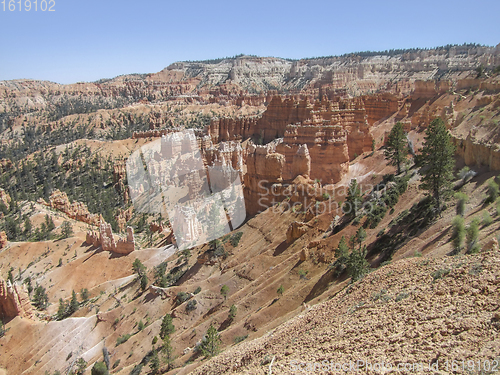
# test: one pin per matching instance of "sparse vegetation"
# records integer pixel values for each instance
(123, 338)
(461, 201)
(224, 290)
(472, 235)
(458, 234)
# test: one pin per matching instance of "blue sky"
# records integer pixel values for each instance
(88, 40)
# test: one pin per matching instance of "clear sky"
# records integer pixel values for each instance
(87, 40)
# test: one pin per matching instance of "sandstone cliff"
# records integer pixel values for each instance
(14, 301)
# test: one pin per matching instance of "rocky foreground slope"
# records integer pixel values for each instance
(428, 312)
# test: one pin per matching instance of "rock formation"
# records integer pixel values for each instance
(106, 240)
(295, 230)
(4, 197)
(76, 210)
(3, 239)
(14, 301)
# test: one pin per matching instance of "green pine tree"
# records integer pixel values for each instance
(73, 305)
(167, 352)
(167, 327)
(396, 149)
(342, 250)
(353, 199)
(224, 290)
(437, 159)
(210, 344)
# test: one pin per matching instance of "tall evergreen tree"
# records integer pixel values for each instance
(437, 162)
(210, 343)
(342, 251)
(353, 197)
(73, 305)
(167, 326)
(397, 147)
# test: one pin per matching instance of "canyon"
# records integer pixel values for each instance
(294, 133)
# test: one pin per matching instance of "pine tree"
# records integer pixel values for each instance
(437, 158)
(342, 250)
(357, 265)
(397, 146)
(154, 362)
(167, 352)
(224, 290)
(210, 344)
(167, 326)
(73, 305)
(360, 236)
(66, 229)
(353, 197)
(61, 311)
(232, 312)
(144, 282)
(27, 227)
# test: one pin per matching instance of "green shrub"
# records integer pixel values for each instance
(117, 363)
(140, 325)
(462, 200)
(487, 220)
(197, 290)
(357, 265)
(182, 297)
(458, 233)
(232, 312)
(239, 339)
(235, 238)
(472, 236)
(123, 338)
(191, 305)
(493, 191)
(99, 369)
(436, 275)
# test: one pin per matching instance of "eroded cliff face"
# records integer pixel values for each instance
(106, 239)
(14, 301)
(76, 210)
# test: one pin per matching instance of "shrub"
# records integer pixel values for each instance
(472, 236)
(232, 312)
(197, 290)
(123, 338)
(99, 369)
(280, 290)
(84, 294)
(140, 325)
(493, 191)
(155, 340)
(239, 339)
(235, 238)
(487, 220)
(440, 273)
(117, 363)
(182, 297)
(191, 305)
(462, 200)
(458, 233)
(224, 290)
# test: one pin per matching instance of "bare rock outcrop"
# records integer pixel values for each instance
(76, 210)
(106, 240)
(295, 230)
(4, 197)
(14, 301)
(3, 239)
